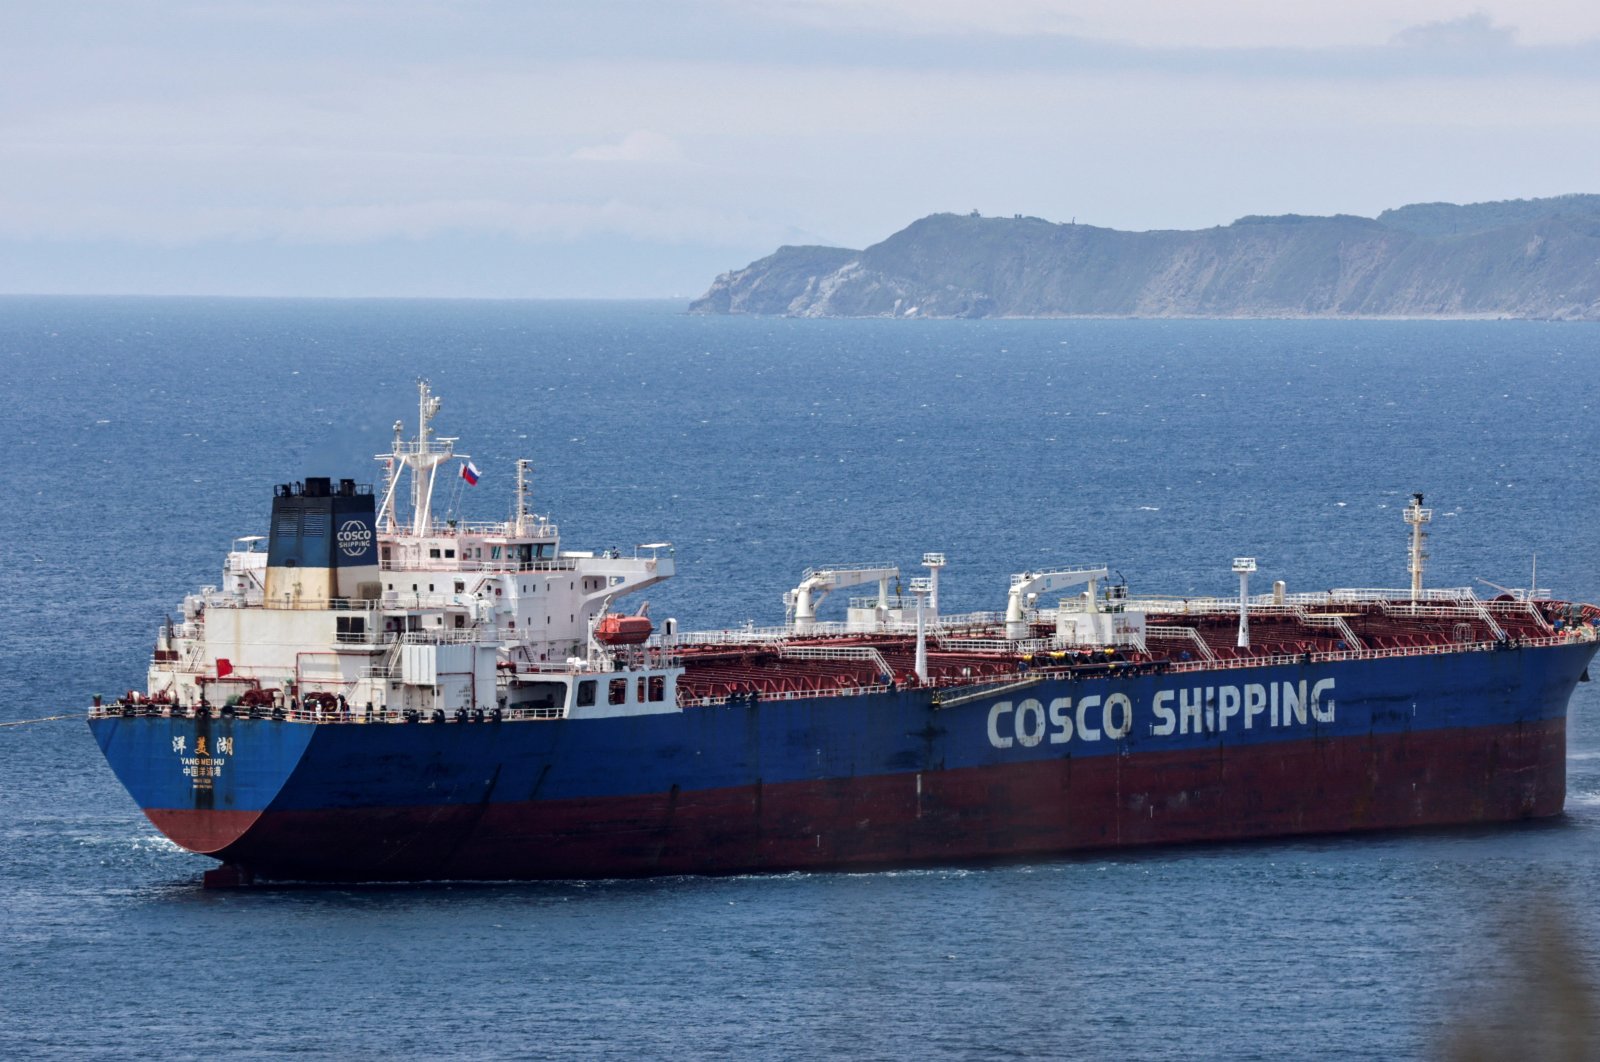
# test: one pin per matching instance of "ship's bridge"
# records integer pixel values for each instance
(472, 547)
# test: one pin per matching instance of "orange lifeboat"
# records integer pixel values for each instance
(623, 630)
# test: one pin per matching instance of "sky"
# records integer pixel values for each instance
(562, 149)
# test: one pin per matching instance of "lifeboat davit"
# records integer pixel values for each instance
(623, 630)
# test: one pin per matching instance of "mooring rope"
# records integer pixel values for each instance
(44, 719)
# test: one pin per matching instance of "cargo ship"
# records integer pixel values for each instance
(373, 693)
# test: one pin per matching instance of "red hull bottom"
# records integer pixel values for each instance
(1431, 778)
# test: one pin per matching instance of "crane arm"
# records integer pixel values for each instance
(817, 583)
(1025, 584)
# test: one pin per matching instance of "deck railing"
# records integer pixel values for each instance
(838, 652)
(355, 714)
(1187, 635)
(1043, 668)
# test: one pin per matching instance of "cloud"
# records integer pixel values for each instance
(1186, 26)
(1476, 32)
(356, 223)
(1004, 17)
(723, 123)
(556, 153)
(640, 146)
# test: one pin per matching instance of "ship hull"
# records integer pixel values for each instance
(1049, 767)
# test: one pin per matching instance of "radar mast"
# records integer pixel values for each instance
(423, 456)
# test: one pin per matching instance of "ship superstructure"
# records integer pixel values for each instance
(360, 606)
(379, 693)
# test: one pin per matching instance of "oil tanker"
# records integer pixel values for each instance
(376, 694)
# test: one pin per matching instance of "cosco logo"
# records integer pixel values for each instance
(354, 538)
(1296, 702)
(1030, 722)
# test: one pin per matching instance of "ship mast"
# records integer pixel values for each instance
(524, 466)
(922, 588)
(391, 478)
(1242, 567)
(423, 456)
(423, 470)
(1416, 516)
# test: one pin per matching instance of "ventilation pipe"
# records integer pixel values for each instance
(922, 590)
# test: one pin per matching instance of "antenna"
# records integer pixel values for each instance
(427, 409)
(1416, 516)
(422, 488)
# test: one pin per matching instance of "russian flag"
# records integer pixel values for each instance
(469, 472)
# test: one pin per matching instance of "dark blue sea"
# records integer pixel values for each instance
(144, 434)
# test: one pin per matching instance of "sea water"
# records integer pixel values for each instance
(140, 436)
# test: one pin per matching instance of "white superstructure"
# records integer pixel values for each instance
(436, 615)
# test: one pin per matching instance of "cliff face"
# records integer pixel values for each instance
(1528, 258)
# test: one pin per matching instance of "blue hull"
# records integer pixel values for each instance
(1054, 765)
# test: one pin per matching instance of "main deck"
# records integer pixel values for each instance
(1178, 636)
(971, 652)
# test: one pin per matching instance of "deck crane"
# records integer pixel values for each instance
(817, 583)
(1025, 586)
